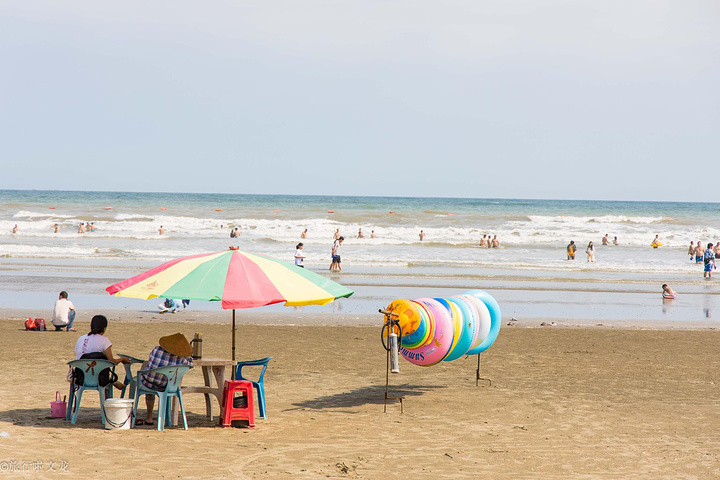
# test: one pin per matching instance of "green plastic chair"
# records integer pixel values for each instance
(174, 374)
(91, 368)
(129, 377)
(259, 384)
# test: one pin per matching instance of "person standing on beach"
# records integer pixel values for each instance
(299, 255)
(63, 314)
(571, 249)
(335, 265)
(590, 251)
(691, 250)
(605, 240)
(422, 235)
(161, 230)
(709, 260)
(698, 252)
(304, 234)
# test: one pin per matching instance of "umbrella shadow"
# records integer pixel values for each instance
(369, 395)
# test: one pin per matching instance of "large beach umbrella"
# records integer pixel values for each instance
(235, 279)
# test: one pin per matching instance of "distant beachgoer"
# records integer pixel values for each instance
(698, 252)
(15, 229)
(63, 315)
(668, 292)
(91, 226)
(691, 250)
(234, 232)
(56, 229)
(336, 235)
(360, 234)
(495, 243)
(81, 228)
(716, 250)
(422, 235)
(304, 234)
(571, 249)
(336, 260)
(483, 241)
(605, 240)
(656, 242)
(168, 305)
(590, 252)
(299, 256)
(615, 241)
(709, 260)
(161, 230)
(372, 234)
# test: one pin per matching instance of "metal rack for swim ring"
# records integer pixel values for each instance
(391, 324)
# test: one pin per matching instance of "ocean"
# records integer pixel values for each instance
(529, 274)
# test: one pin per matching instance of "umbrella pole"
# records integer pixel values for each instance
(233, 337)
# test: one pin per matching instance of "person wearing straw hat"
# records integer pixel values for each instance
(172, 350)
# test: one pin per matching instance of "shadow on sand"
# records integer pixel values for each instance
(370, 395)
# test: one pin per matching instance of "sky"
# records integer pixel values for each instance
(556, 99)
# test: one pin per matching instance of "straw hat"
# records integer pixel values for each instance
(176, 344)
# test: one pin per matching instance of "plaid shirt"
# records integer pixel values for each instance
(161, 358)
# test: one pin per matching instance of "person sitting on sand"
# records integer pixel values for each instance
(96, 345)
(171, 350)
(168, 305)
(668, 292)
(63, 314)
(571, 249)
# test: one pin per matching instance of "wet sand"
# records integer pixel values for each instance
(592, 402)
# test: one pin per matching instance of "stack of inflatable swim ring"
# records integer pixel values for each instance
(433, 330)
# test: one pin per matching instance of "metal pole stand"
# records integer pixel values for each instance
(478, 377)
(390, 322)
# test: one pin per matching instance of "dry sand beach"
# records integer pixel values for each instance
(591, 402)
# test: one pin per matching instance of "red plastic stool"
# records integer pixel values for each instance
(245, 409)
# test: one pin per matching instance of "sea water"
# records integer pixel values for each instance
(529, 273)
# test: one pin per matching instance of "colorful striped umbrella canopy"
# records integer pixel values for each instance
(234, 278)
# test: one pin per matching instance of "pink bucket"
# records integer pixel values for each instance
(58, 407)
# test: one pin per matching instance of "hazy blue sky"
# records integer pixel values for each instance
(508, 98)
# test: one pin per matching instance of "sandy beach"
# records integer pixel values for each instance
(591, 402)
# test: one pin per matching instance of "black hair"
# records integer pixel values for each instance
(63, 294)
(98, 324)
(299, 245)
(341, 238)
(664, 285)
